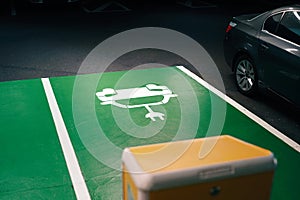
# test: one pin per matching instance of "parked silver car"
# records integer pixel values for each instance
(264, 52)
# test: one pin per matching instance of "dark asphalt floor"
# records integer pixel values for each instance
(47, 41)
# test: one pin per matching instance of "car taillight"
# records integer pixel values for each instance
(230, 26)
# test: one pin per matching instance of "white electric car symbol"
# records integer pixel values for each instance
(111, 96)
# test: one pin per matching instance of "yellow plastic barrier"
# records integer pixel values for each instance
(232, 169)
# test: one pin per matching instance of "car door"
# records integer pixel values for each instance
(279, 53)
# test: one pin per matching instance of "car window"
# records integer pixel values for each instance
(272, 22)
(255, 16)
(289, 27)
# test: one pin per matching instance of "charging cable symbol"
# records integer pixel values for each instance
(109, 96)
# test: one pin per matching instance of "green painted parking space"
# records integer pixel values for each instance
(103, 114)
(32, 165)
(92, 123)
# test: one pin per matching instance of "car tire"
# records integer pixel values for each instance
(245, 76)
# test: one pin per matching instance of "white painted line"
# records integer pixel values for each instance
(77, 179)
(242, 109)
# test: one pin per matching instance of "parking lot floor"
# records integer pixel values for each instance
(61, 135)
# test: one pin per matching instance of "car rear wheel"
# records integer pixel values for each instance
(245, 76)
